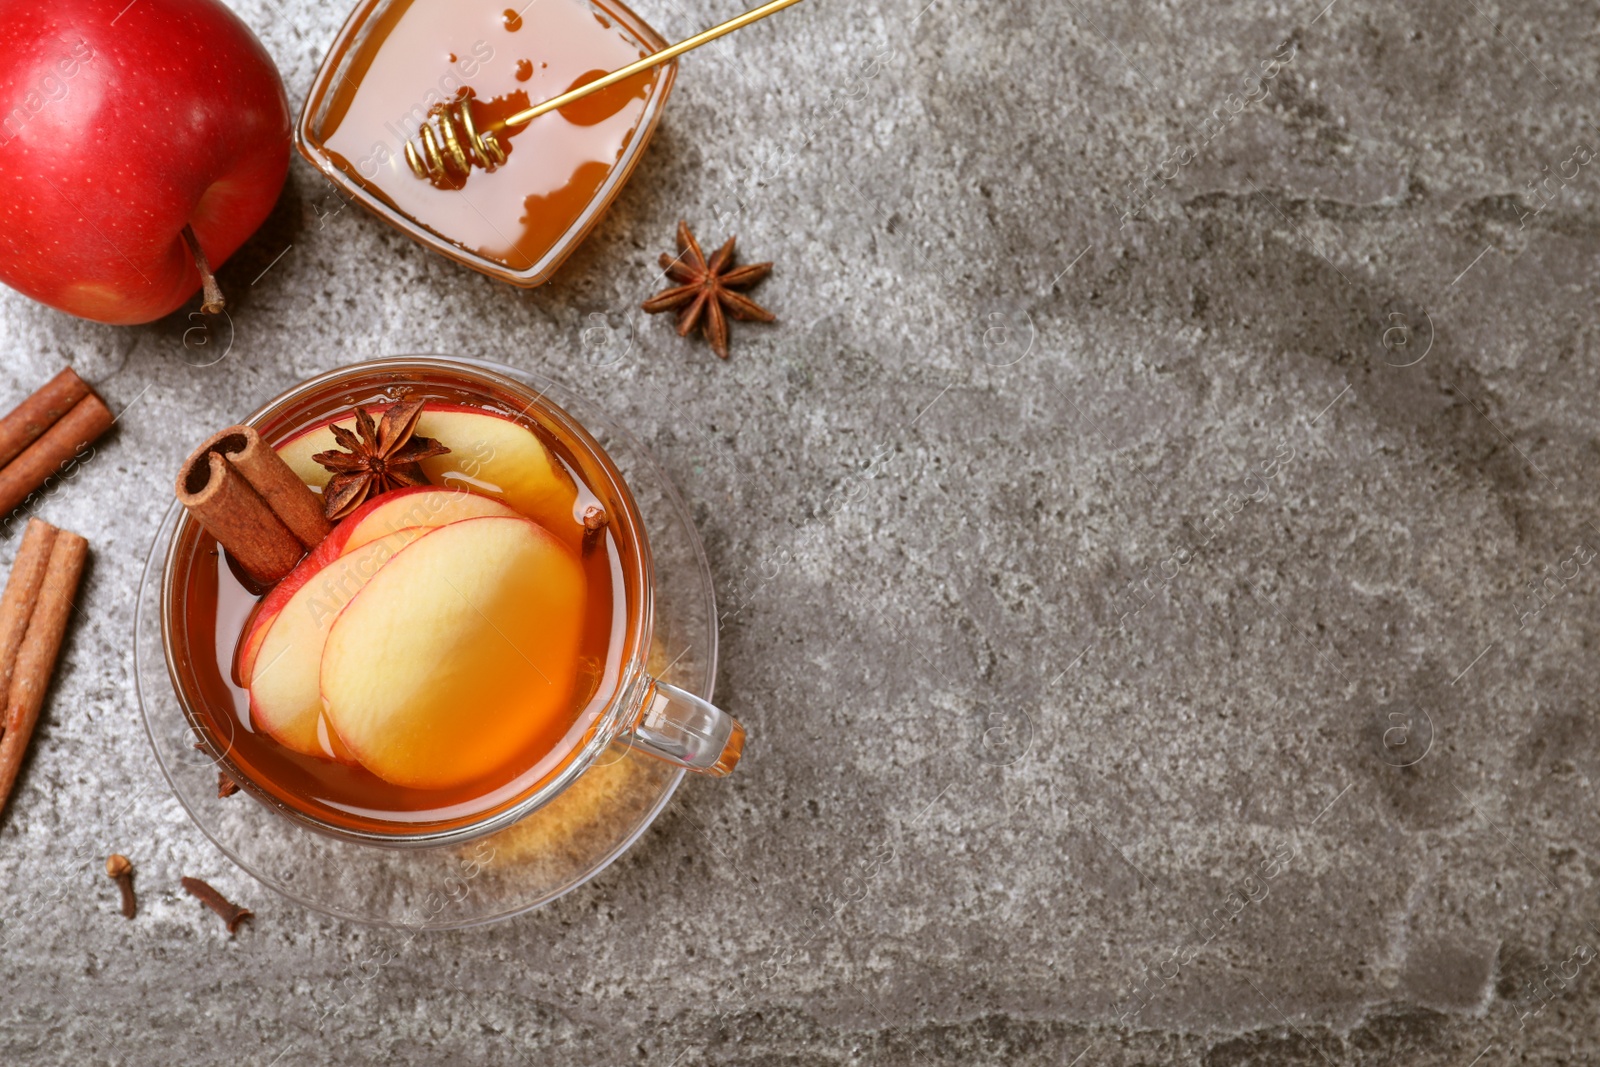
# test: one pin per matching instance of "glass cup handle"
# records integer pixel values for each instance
(675, 725)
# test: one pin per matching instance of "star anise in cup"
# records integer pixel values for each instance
(377, 458)
(705, 293)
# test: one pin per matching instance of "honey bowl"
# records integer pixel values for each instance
(396, 61)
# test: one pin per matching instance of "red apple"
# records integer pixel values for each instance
(120, 125)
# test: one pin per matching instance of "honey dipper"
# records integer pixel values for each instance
(451, 143)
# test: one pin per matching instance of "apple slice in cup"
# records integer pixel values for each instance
(284, 671)
(459, 654)
(490, 455)
(422, 507)
(271, 605)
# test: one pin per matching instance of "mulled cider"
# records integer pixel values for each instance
(452, 642)
(399, 62)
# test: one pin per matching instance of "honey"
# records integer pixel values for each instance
(411, 56)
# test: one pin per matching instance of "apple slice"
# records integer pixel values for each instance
(489, 454)
(459, 655)
(271, 605)
(505, 460)
(286, 661)
(298, 450)
(244, 654)
(419, 506)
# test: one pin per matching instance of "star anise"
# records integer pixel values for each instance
(376, 459)
(704, 293)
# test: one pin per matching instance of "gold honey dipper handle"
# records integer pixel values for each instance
(458, 145)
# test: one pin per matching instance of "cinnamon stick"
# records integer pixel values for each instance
(269, 475)
(252, 502)
(36, 658)
(22, 592)
(51, 450)
(31, 418)
(220, 499)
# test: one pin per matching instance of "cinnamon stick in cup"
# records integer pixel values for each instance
(31, 662)
(297, 506)
(252, 502)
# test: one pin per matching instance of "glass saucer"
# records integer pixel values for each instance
(539, 859)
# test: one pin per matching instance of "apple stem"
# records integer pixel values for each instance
(213, 293)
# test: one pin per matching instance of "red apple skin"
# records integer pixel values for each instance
(119, 124)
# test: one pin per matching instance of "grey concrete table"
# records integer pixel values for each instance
(1157, 541)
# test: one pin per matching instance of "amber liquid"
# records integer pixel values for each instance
(419, 53)
(217, 606)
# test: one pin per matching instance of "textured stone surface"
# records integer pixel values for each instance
(1068, 735)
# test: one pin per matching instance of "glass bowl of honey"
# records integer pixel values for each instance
(420, 831)
(397, 62)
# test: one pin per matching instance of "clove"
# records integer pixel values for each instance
(120, 870)
(226, 786)
(594, 521)
(231, 913)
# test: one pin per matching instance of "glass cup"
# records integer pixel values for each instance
(630, 706)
